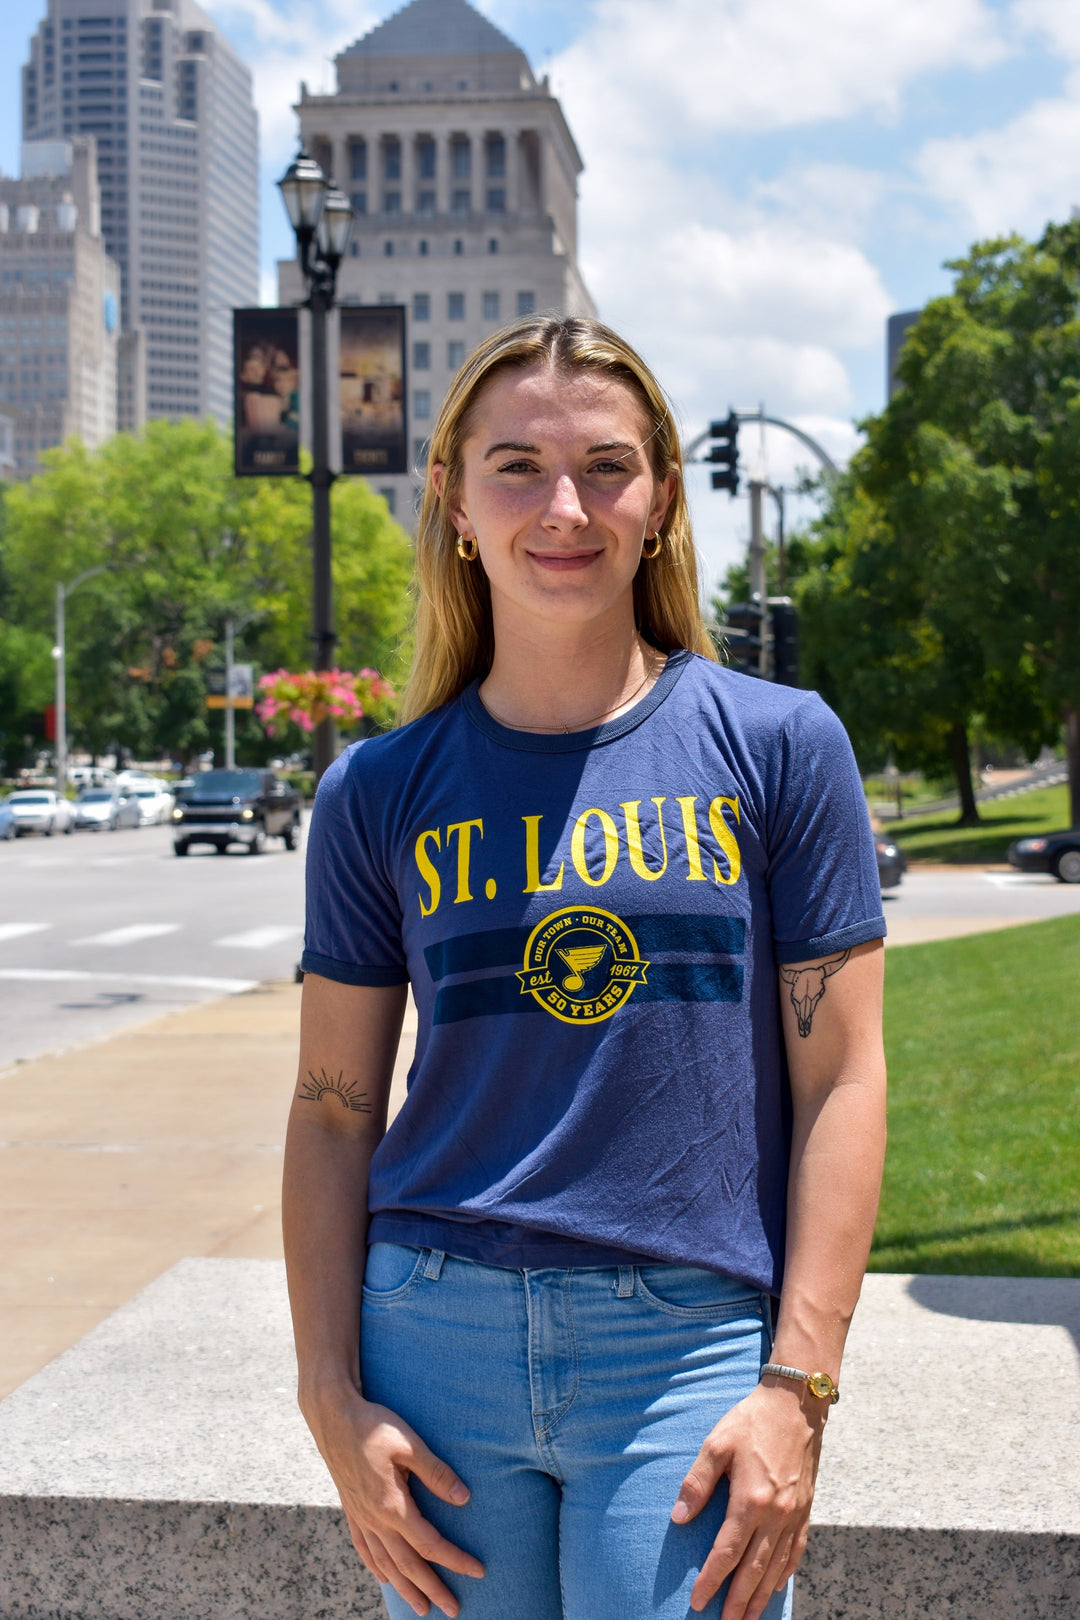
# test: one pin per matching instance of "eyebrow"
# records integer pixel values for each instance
(534, 450)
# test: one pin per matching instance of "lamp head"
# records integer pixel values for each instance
(303, 189)
(335, 226)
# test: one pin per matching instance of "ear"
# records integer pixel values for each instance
(458, 516)
(665, 491)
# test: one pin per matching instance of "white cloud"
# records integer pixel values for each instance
(753, 65)
(837, 199)
(1056, 21)
(1013, 178)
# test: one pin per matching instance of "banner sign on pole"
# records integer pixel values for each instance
(266, 380)
(372, 389)
(242, 687)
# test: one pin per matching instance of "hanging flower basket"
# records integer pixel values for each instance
(307, 699)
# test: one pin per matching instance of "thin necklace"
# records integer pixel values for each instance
(582, 725)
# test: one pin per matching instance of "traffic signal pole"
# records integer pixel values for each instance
(759, 590)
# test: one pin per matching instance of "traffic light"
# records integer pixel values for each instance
(784, 624)
(726, 452)
(742, 632)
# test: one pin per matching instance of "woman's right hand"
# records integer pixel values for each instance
(371, 1453)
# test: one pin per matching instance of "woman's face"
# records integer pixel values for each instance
(559, 491)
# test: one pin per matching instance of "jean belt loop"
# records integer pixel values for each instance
(626, 1282)
(434, 1264)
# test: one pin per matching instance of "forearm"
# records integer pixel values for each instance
(836, 1161)
(324, 1223)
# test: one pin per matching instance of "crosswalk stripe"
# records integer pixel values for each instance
(129, 935)
(183, 981)
(17, 930)
(258, 939)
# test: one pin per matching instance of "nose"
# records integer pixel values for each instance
(564, 512)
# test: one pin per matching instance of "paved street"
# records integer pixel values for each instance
(103, 930)
(951, 900)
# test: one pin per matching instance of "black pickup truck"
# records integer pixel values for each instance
(235, 807)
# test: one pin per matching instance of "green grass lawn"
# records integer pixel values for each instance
(983, 1168)
(939, 838)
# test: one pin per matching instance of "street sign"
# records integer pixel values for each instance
(242, 687)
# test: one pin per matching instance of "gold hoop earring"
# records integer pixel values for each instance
(467, 548)
(658, 546)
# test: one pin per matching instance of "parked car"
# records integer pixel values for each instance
(891, 863)
(154, 800)
(1054, 852)
(8, 829)
(236, 807)
(41, 810)
(106, 809)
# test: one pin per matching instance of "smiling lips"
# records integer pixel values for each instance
(565, 561)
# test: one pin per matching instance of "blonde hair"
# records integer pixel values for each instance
(454, 640)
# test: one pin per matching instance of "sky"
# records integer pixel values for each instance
(765, 180)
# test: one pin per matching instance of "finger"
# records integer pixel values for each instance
(772, 1581)
(795, 1554)
(433, 1546)
(364, 1548)
(748, 1577)
(437, 1475)
(708, 1468)
(409, 1563)
(393, 1576)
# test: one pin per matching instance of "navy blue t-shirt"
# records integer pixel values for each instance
(591, 924)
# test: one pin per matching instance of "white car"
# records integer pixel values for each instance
(154, 800)
(40, 810)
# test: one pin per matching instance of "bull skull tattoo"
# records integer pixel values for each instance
(808, 987)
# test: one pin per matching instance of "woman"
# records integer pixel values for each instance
(636, 898)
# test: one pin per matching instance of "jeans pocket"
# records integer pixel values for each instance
(392, 1271)
(696, 1294)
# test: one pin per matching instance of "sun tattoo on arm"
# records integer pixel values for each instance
(316, 1087)
(807, 986)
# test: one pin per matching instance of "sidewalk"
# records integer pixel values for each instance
(119, 1158)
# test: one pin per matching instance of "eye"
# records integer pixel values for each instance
(516, 467)
(609, 467)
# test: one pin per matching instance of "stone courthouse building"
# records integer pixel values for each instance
(462, 173)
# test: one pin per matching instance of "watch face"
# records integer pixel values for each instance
(821, 1385)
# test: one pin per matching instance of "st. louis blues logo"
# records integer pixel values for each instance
(581, 964)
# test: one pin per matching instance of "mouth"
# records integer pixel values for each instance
(565, 562)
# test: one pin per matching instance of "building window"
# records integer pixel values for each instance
(392, 203)
(358, 202)
(391, 158)
(425, 203)
(462, 201)
(421, 356)
(421, 404)
(495, 152)
(461, 157)
(358, 160)
(455, 306)
(491, 306)
(455, 354)
(425, 158)
(459, 246)
(422, 247)
(493, 244)
(496, 200)
(421, 306)
(388, 253)
(420, 449)
(354, 249)
(390, 497)
(526, 303)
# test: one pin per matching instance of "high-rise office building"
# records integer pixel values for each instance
(59, 304)
(169, 103)
(462, 173)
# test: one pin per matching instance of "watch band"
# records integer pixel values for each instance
(818, 1383)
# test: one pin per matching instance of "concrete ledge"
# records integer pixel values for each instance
(159, 1470)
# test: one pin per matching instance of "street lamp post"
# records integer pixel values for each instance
(63, 591)
(322, 222)
(232, 626)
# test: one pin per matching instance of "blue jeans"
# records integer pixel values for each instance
(572, 1403)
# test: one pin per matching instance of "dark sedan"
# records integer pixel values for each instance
(891, 862)
(235, 807)
(1053, 852)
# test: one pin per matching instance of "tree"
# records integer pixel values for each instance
(947, 584)
(186, 547)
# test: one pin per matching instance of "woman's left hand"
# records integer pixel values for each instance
(768, 1446)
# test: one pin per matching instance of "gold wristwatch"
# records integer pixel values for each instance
(818, 1383)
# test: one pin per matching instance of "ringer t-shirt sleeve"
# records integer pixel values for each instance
(823, 876)
(353, 924)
